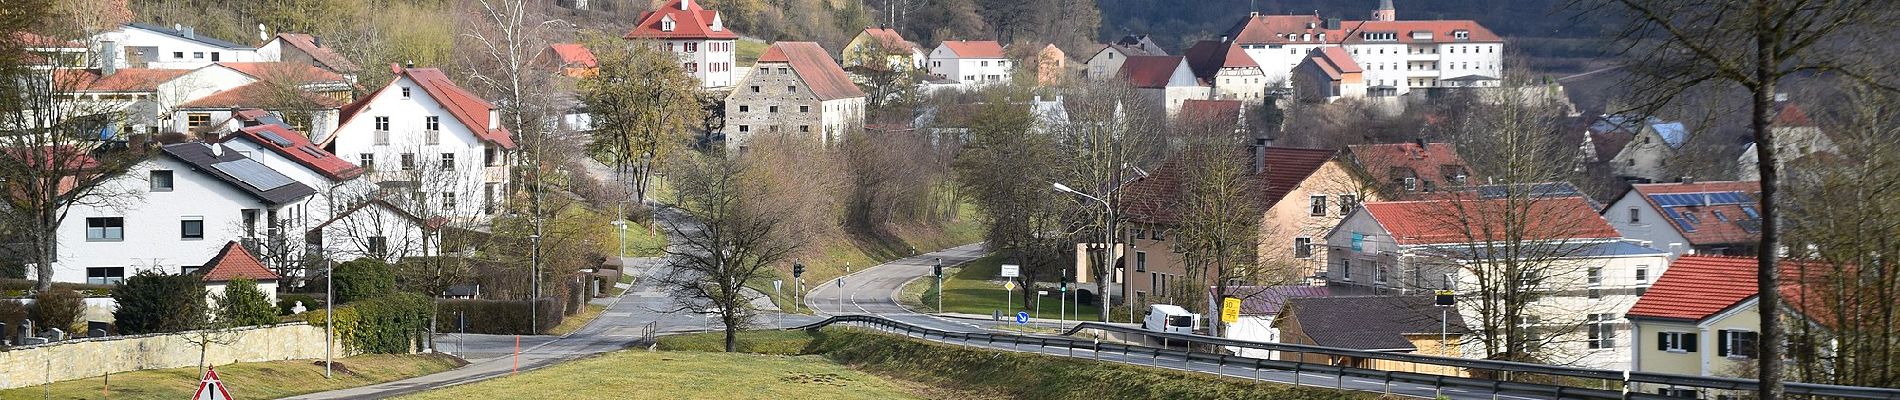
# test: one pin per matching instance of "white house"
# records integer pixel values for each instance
(231, 263)
(1589, 275)
(138, 45)
(306, 49)
(1717, 218)
(697, 35)
(308, 98)
(1107, 62)
(180, 207)
(424, 134)
(1259, 305)
(1232, 74)
(970, 62)
(1397, 56)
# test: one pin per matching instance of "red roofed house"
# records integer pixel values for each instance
(303, 48)
(423, 132)
(1228, 69)
(1702, 318)
(1717, 218)
(1796, 137)
(235, 262)
(308, 98)
(1587, 274)
(697, 35)
(571, 59)
(1284, 180)
(1052, 65)
(1107, 61)
(1164, 80)
(896, 52)
(795, 88)
(1329, 75)
(1407, 170)
(970, 62)
(1397, 56)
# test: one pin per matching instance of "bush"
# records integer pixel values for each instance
(499, 317)
(11, 312)
(19, 287)
(58, 308)
(363, 278)
(242, 304)
(394, 323)
(152, 302)
(287, 301)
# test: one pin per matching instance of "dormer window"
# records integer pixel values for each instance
(667, 24)
(1461, 34)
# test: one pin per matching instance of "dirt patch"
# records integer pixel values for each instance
(828, 379)
(335, 367)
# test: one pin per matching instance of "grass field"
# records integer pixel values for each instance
(839, 256)
(259, 380)
(575, 322)
(975, 288)
(640, 374)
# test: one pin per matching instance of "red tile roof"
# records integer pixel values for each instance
(890, 40)
(1208, 57)
(689, 22)
(1269, 29)
(1273, 29)
(299, 149)
(1390, 163)
(467, 108)
(1461, 219)
(574, 55)
(1150, 72)
(1336, 63)
(1789, 114)
(1695, 287)
(1441, 31)
(975, 48)
(1155, 199)
(815, 67)
(1208, 110)
(260, 94)
(295, 72)
(323, 55)
(235, 262)
(1707, 228)
(34, 40)
(125, 80)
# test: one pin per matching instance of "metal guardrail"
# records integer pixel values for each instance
(1188, 355)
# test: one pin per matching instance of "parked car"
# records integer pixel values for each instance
(1171, 319)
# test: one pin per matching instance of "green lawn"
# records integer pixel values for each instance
(575, 322)
(838, 255)
(259, 380)
(641, 374)
(642, 240)
(975, 288)
(749, 51)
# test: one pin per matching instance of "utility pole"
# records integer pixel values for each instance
(534, 262)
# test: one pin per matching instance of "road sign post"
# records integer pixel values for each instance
(938, 271)
(1230, 310)
(1022, 318)
(1009, 300)
(778, 294)
(1444, 299)
(798, 282)
(1039, 294)
(840, 294)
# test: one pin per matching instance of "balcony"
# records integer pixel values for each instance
(494, 174)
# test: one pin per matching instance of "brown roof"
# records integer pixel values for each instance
(467, 108)
(1273, 29)
(323, 55)
(1152, 72)
(975, 48)
(1211, 109)
(890, 40)
(814, 66)
(1208, 57)
(1155, 199)
(295, 72)
(1463, 219)
(259, 94)
(574, 55)
(235, 262)
(125, 80)
(1391, 163)
(1335, 62)
(1707, 213)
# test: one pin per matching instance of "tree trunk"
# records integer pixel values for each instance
(1767, 274)
(732, 335)
(48, 237)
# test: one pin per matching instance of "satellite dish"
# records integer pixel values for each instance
(261, 33)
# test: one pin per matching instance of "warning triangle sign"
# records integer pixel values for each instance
(210, 388)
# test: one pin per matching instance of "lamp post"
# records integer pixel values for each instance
(622, 226)
(329, 315)
(534, 265)
(1107, 243)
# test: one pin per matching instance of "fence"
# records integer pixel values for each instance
(84, 358)
(1568, 384)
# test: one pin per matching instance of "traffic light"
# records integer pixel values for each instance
(798, 270)
(937, 270)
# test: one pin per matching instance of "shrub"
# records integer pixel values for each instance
(11, 312)
(242, 304)
(288, 301)
(500, 317)
(363, 278)
(393, 323)
(58, 308)
(152, 302)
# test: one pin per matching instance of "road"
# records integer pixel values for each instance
(874, 290)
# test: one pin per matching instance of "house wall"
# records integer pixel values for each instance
(1277, 60)
(173, 52)
(1650, 225)
(1244, 84)
(750, 112)
(854, 53)
(1253, 328)
(1105, 64)
(1403, 66)
(1651, 359)
(968, 71)
(1292, 218)
(351, 235)
(152, 239)
(841, 116)
(711, 62)
(1705, 361)
(407, 118)
(1645, 157)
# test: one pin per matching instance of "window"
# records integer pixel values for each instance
(755, 89)
(1345, 269)
(791, 89)
(1347, 202)
(1677, 392)
(178, 54)
(745, 108)
(773, 109)
(105, 275)
(804, 128)
(1636, 215)
(1596, 276)
(405, 92)
(1676, 342)
(198, 55)
(1735, 343)
(1601, 330)
(191, 228)
(1411, 184)
(1642, 273)
(408, 161)
(1379, 274)
(1319, 205)
(692, 67)
(448, 201)
(804, 109)
(382, 124)
(784, 71)
(162, 180)
(105, 229)
(189, 269)
(1141, 261)
(667, 25)
(1158, 234)
(745, 128)
(448, 161)
(1140, 233)
(984, 63)
(367, 160)
(432, 123)
(197, 120)
(692, 47)
(1461, 34)
(377, 245)
(1303, 247)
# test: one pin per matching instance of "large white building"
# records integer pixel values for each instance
(1397, 56)
(423, 134)
(794, 88)
(139, 45)
(697, 35)
(972, 62)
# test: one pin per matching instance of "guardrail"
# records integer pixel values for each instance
(1340, 373)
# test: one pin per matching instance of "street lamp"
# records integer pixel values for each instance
(1107, 243)
(534, 302)
(1108, 230)
(622, 226)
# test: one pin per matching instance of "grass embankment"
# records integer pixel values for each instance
(957, 369)
(574, 322)
(868, 250)
(258, 380)
(748, 51)
(976, 288)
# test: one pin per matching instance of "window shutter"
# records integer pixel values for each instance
(1662, 340)
(1721, 343)
(1689, 342)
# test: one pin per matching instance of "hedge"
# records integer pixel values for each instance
(499, 317)
(394, 323)
(19, 288)
(152, 302)
(363, 278)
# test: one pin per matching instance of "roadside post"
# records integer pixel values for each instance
(1039, 294)
(841, 294)
(1445, 300)
(938, 271)
(1010, 272)
(798, 284)
(777, 293)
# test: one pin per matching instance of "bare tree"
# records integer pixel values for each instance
(1676, 45)
(1007, 173)
(1110, 131)
(1218, 204)
(732, 239)
(644, 107)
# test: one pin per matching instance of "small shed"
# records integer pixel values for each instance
(234, 261)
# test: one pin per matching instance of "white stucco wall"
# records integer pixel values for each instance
(407, 119)
(152, 234)
(1650, 226)
(173, 52)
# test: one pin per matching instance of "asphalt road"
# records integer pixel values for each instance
(874, 290)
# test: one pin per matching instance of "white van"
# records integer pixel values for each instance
(1170, 318)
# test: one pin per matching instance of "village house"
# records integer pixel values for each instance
(696, 35)
(1389, 324)
(1329, 75)
(970, 62)
(572, 60)
(423, 134)
(794, 88)
(1716, 218)
(1232, 74)
(1408, 170)
(1397, 56)
(140, 45)
(1588, 276)
(307, 98)
(1701, 319)
(1107, 61)
(302, 48)
(882, 48)
(232, 263)
(1635, 149)
(1165, 81)
(1052, 65)
(1260, 306)
(1796, 137)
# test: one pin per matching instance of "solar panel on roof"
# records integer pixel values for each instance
(253, 173)
(1750, 210)
(274, 138)
(270, 119)
(1685, 223)
(312, 151)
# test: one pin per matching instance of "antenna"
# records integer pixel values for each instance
(262, 34)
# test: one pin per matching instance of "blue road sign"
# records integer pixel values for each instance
(1022, 317)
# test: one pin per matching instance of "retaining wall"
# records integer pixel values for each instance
(84, 358)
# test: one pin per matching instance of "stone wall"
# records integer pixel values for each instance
(84, 358)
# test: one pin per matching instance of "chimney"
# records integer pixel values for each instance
(1223, 38)
(109, 56)
(1685, 179)
(191, 33)
(409, 64)
(1260, 154)
(1708, 200)
(316, 41)
(1420, 142)
(686, 4)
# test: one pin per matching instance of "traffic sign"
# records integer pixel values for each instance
(1042, 293)
(1011, 285)
(1444, 298)
(1012, 271)
(1022, 317)
(1230, 310)
(210, 388)
(776, 284)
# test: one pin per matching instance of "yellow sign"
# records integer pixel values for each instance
(1230, 310)
(1009, 285)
